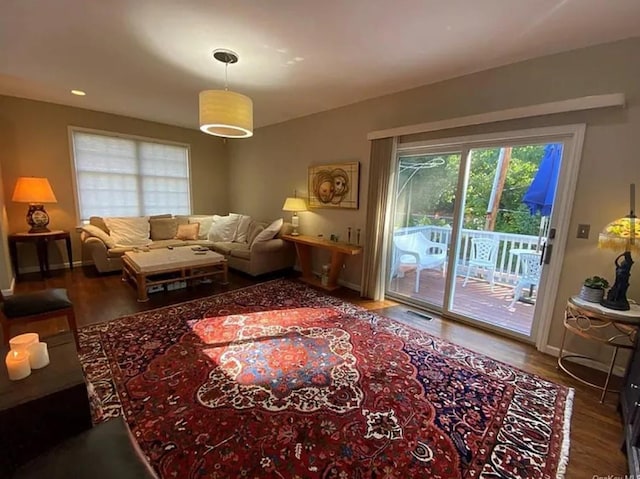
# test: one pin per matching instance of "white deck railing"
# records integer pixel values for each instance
(507, 264)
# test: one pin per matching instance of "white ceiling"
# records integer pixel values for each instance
(150, 58)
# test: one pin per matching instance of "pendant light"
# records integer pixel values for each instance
(223, 112)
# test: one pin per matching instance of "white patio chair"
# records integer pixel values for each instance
(415, 249)
(531, 270)
(484, 252)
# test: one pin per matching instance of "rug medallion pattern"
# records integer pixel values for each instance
(278, 380)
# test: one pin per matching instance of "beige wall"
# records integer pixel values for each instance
(269, 166)
(34, 142)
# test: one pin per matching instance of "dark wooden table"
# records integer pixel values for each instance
(44, 409)
(41, 241)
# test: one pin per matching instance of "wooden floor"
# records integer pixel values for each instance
(596, 430)
(475, 300)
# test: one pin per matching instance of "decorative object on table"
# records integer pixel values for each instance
(17, 363)
(334, 185)
(621, 235)
(358, 236)
(335, 238)
(294, 204)
(38, 355)
(324, 278)
(593, 289)
(223, 112)
(349, 234)
(347, 360)
(35, 191)
(23, 341)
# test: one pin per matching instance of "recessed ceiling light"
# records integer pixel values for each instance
(78, 92)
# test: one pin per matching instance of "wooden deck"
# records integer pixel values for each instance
(476, 300)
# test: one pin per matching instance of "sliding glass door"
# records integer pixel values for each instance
(422, 223)
(471, 224)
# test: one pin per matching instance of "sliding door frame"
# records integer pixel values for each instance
(572, 136)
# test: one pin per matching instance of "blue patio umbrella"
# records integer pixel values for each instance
(539, 196)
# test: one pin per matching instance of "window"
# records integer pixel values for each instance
(124, 176)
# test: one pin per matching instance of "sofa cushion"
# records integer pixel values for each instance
(162, 216)
(270, 231)
(205, 224)
(188, 231)
(99, 233)
(254, 230)
(244, 253)
(132, 231)
(243, 228)
(99, 222)
(226, 247)
(223, 228)
(163, 228)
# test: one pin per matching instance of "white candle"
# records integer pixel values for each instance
(38, 355)
(18, 365)
(23, 341)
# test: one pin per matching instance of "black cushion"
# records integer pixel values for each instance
(105, 451)
(28, 304)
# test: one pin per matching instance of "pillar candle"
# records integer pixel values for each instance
(38, 355)
(23, 341)
(18, 365)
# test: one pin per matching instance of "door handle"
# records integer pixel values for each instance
(549, 252)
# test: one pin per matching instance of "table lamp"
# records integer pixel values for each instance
(621, 235)
(35, 191)
(295, 205)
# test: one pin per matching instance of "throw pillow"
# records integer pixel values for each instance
(188, 232)
(93, 230)
(270, 231)
(243, 228)
(205, 224)
(223, 228)
(99, 222)
(129, 231)
(163, 228)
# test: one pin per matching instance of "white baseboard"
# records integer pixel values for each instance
(36, 269)
(590, 363)
(9, 292)
(346, 284)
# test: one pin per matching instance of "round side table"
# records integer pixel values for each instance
(594, 322)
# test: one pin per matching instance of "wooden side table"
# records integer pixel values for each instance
(594, 322)
(339, 252)
(44, 409)
(41, 241)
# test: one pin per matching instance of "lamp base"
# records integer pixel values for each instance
(37, 218)
(620, 305)
(617, 295)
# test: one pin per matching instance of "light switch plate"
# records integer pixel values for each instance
(583, 231)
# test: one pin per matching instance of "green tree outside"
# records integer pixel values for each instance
(427, 187)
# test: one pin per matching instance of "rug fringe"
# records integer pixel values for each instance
(566, 430)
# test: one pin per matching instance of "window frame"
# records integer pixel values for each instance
(108, 133)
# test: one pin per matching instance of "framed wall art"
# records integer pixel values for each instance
(334, 185)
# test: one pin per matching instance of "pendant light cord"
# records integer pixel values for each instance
(226, 68)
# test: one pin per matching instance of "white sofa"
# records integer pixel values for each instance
(243, 254)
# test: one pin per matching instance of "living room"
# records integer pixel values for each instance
(254, 176)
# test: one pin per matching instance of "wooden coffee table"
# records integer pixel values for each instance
(163, 266)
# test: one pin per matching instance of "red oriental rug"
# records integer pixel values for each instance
(279, 380)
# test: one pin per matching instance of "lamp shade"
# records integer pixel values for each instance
(617, 235)
(226, 113)
(33, 190)
(294, 204)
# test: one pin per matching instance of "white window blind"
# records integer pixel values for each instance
(118, 176)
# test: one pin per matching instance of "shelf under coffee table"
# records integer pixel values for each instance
(164, 266)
